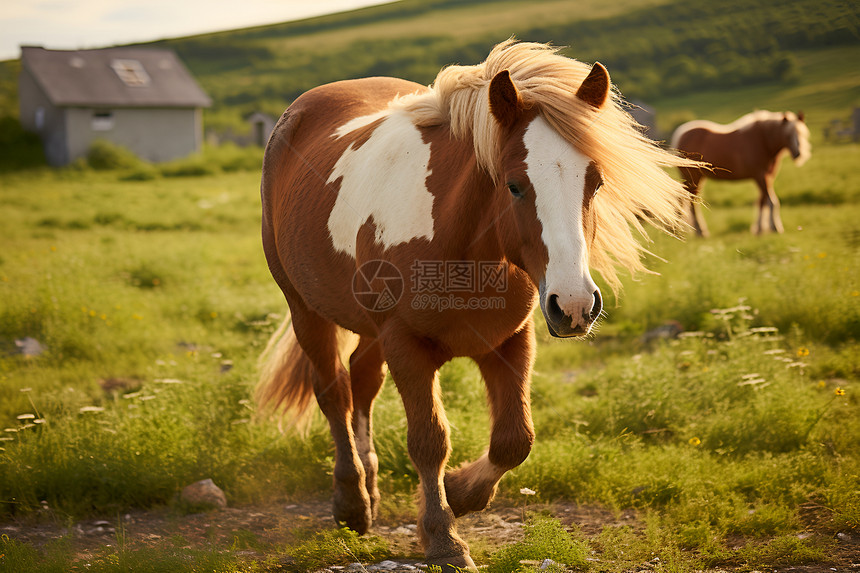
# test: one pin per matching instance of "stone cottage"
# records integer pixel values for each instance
(141, 98)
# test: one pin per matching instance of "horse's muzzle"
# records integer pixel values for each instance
(577, 322)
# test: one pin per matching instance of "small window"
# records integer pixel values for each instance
(102, 121)
(40, 118)
(131, 72)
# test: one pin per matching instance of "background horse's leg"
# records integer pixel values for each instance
(767, 202)
(367, 374)
(318, 338)
(414, 364)
(693, 182)
(507, 374)
(762, 203)
(773, 203)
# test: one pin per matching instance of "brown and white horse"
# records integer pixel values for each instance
(431, 222)
(748, 148)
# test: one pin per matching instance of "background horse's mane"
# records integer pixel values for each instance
(760, 115)
(636, 187)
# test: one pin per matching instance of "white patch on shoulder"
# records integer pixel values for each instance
(385, 179)
(359, 122)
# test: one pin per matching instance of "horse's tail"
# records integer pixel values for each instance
(286, 384)
(286, 377)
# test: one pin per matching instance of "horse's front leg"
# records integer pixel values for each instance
(693, 182)
(773, 203)
(764, 220)
(507, 375)
(413, 364)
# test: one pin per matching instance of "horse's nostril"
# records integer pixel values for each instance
(598, 306)
(553, 310)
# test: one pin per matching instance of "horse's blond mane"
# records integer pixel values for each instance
(761, 115)
(636, 187)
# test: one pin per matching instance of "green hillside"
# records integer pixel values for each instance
(656, 50)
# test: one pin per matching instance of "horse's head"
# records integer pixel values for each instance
(796, 137)
(550, 186)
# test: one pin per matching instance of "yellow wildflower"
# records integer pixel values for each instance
(694, 441)
(839, 392)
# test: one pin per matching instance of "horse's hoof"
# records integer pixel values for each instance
(463, 497)
(453, 564)
(356, 516)
(358, 522)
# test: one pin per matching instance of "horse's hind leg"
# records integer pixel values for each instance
(318, 338)
(366, 370)
(507, 374)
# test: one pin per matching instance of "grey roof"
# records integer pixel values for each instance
(89, 78)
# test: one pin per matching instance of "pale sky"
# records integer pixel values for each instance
(77, 24)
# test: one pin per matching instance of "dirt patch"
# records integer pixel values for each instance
(250, 529)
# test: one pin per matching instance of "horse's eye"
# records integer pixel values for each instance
(515, 190)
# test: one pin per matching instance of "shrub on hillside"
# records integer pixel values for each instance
(19, 149)
(106, 156)
(191, 166)
(231, 157)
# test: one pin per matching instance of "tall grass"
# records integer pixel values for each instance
(152, 301)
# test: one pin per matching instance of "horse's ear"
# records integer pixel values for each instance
(801, 116)
(505, 101)
(595, 88)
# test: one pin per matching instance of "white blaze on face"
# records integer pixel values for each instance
(557, 174)
(801, 142)
(385, 179)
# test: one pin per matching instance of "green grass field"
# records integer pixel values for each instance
(144, 292)
(141, 292)
(737, 443)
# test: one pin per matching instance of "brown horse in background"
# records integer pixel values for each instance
(748, 148)
(431, 222)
